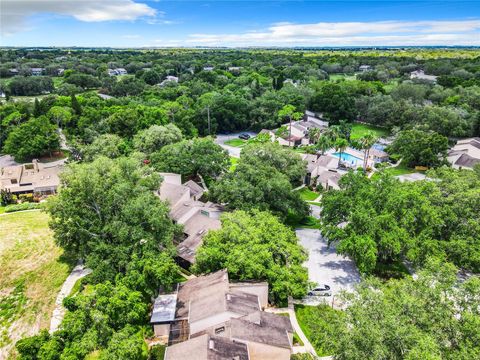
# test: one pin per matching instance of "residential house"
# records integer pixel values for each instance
(37, 71)
(121, 71)
(420, 74)
(234, 68)
(465, 154)
(208, 68)
(207, 347)
(34, 177)
(378, 155)
(60, 72)
(298, 131)
(13, 72)
(117, 71)
(197, 217)
(322, 170)
(169, 79)
(364, 68)
(105, 96)
(210, 308)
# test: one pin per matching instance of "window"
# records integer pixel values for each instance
(203, 212)
(13, 181)
(220, 330)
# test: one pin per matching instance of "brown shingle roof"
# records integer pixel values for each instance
(207, 347)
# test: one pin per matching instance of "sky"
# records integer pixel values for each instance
(141, 23)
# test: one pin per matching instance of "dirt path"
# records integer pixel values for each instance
(77, 273)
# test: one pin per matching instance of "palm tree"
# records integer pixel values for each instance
(340, 145)
(366, 143)
(324, 143)
(333, 132)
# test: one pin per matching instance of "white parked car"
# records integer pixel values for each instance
(320, 290)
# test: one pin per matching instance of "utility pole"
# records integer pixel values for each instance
(208, 117)
(290, 132)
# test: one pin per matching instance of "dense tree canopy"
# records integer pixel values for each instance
(107, 213)
(433, 317)
(155, 137)
(387, 221)
(33, 138)
(421, 148)
(198, 156)
(258, 246)
(259, 186)
(282, 159)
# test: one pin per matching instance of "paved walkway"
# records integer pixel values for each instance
(307, 346)
(78, 272)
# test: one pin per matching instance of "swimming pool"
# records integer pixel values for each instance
(348, 158)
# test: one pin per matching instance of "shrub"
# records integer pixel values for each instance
(26, 198)
(23, 206)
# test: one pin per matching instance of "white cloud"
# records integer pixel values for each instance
(15, 13)
(461, 32)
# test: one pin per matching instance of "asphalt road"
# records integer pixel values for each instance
(325, 266)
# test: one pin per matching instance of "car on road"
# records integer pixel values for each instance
(244, 136)
(320, 290)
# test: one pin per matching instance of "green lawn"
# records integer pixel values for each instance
(401, 169)
(30, 278)
(233, 164)
(307, 194)
(359, 130)
(236, 142)
(320, 326)
(335, 77)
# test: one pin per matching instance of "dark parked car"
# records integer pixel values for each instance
(244, 136)
(320, 290)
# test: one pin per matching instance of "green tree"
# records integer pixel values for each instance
(155, 137)
(433, 317)
(259, 186)
(340, 145)
(107, 213)
(366, 143)
(34, 138)
(60, 115)
(76, 107)
(256, 246)
(108, 145)
(285, 160)
(289, 113)
(418, 147)
(127, 344)
(334, 102)
(198, 156)
(323, 144)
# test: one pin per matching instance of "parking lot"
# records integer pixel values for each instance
(325, 266)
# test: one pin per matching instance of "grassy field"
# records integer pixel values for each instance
(359, 130)
(30, 278)
(307, 194)
(236, 142)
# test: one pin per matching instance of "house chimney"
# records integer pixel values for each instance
(211, 344)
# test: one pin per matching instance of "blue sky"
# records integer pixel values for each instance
(137, 23)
